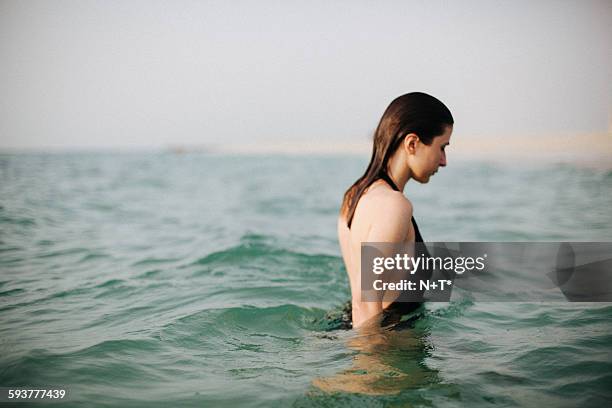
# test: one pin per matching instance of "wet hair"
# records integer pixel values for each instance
(414, 112)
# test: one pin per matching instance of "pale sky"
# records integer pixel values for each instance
(125, 74)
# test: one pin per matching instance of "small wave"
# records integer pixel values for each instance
(272, 318)
(254, 372)
(62, 252)
(53, 296)
(123, 346)
(476, 346)
(19, 221)
(12, 261)
(541, 319)
(237, 255)
(66, 293)
(453, 309)
(585, 368)
(94, 256)
(115, 288)
(548, 358)
(149, 274)
(504, 378)
(104, 363)
(12, 292)
(110, 283)
(588, 316)
(281, 322)
(583, 388)
(10, 248)
(155, 261)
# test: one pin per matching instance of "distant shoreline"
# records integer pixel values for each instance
(464, 145)
(593, 148)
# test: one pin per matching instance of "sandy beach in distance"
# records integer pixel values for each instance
(588, 149)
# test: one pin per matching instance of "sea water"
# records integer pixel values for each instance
(160, 279)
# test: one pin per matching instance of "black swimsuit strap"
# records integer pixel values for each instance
(417, 233)
(385, 176)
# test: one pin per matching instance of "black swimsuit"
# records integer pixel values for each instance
(394, 312)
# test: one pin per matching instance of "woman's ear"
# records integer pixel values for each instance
(410, 142)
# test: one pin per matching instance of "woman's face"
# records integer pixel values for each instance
(427, 159)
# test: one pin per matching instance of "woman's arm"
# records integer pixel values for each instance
(390, 221)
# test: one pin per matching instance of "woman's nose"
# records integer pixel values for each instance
(443, 160)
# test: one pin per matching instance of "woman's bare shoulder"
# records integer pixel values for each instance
(382, 211)
(383, 215)
(385, 202)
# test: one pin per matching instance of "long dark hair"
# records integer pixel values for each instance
(415, 112)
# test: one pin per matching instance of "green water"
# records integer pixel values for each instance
(201, 280)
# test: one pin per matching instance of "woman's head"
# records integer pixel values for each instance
(421, 161)
(417, 126)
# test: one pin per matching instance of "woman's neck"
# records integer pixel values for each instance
(398, 171)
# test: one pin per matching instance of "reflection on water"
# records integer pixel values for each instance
(387, 361)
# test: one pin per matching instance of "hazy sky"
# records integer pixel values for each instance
(149, 73)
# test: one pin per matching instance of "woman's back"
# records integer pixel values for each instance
(381, 215)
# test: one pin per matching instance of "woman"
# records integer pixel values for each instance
(408, 144)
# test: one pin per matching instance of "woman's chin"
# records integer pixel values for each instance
(423, 179)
